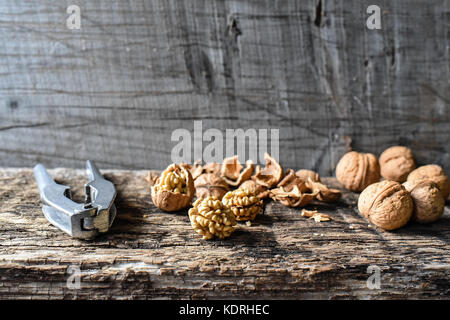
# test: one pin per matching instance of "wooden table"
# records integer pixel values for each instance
(151, 254)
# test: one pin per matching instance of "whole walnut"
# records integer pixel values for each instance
(434, 173)
(209, 218)
(387, 204)
(174, 189)
(357, 170)
(428, 200)
(209, 184)
(396, 163)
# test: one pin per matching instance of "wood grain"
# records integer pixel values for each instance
(115, 90)
(149, 254)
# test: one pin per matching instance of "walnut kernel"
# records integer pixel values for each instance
(244, 204)
(209, 218)
(174, 189)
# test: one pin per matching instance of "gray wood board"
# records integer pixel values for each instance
(115, 90)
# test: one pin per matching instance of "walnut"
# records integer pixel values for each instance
(209, 217)
(208, 184)
(233, 172)
(271, 174)
(244, 204)
(292, 198)
(324, 193)
(387, 204)
(304, 174)
(434, 173)
(358, 170)
(174, 189)
(259, 190)
(396, 163)
(428, 200)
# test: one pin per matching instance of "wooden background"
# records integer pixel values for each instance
(115, 90)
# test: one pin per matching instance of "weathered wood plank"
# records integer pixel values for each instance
(116, 89)
(151, 254)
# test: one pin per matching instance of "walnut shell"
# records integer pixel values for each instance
(305, 174)
(357, 170)
(293, 198)
(290, 180)
(233, 172)
(434, 173)
(428, 200)
(396, 163)
(174, 189)
(387, 204)
(271, 174)
(209, 218)
(209, 184)
(259, 190)
(324, 193)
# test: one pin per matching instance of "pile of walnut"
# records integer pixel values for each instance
(217, 207)
(406, 193)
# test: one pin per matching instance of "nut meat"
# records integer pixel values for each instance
(174, 189)
(244, 204)
(209, 218)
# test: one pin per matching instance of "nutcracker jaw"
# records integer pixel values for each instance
(79, 220)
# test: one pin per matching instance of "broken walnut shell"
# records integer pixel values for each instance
(260, 191)
(428, 200)
(396, 163)
(244, 204)
(387, 204)
(174, 189)
(357, 170)
(324, 193)
(290, 180)
(234, 173)
(434, 173)
(209, 184)
(306, 174)
(292, 198)
(209, 218)
(272, 173)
